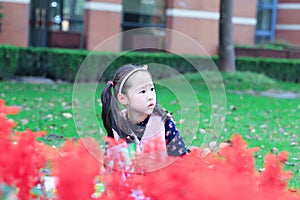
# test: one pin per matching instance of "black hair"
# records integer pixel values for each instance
(112, 117)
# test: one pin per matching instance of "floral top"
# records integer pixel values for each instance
(174, 141)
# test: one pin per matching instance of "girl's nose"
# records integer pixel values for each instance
(151, 95)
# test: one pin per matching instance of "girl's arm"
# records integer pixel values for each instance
(175, 143)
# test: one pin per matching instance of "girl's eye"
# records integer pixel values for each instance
(143, 91)
(152, 89)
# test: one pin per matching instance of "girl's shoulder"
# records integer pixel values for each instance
(170, 123)
(169, 118)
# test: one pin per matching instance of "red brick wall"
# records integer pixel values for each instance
(288, 21)
(194, 4)
(289, 36)
(204, 27)
(100, 25)
(244, 8)
(288, 1)
(15, 24)
(244, 33)
(288, 16)
(203, 31)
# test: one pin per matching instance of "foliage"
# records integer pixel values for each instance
(269, 123)
(22, 158)
(277, 45)
(9, 59)
(59, 64)
(76, 170)
(63, 64)
(22, 172)
(225, 173)
(1, 15)
(280, 69)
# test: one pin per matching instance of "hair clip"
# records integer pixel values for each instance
(110, 83)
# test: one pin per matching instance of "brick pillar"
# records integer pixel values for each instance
(102, 20)
(197, 19)
(15, 22)
(244, 21)
(288, 21)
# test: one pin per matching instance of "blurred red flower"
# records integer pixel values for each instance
(21, 155)
(76, 170)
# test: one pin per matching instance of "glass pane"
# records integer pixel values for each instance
(262, 40)
(54, 14)
(73, 12)
(79, 8)
(144, 7)
(138, 39)
(152, 7)
(264, 18)
(265, 1)
(143, 13)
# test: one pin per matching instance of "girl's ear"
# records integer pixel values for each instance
(122, 99)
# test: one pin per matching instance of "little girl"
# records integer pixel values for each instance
(142, 128)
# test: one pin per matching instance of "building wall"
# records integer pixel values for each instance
(288, 21)
(244, 21)
(15, 22)
(102, 20)
(200, 21)
(197, 19)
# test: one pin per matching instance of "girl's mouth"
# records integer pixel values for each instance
(151, 105)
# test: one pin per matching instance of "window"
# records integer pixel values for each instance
(139, 14)
(66, 15)
(73, 12)
(266, 21)
(57, 23)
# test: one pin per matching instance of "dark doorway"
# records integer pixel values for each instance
(56, 23)
(142, 14)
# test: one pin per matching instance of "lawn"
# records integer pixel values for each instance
(272, 124)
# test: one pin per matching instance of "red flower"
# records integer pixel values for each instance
(226, 174)
(7, 109)
(76, 170)
(20, 154)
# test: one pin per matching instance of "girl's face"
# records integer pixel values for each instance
(140, 96)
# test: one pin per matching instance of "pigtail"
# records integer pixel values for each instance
(112, 116)
(107, 113)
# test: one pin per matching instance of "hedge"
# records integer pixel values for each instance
(63, 64)
(280, 69)
(9, 57)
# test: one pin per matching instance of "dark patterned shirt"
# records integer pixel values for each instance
(174, 141)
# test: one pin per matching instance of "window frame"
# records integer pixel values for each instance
(262, 5)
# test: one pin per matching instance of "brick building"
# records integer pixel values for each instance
(85, 23)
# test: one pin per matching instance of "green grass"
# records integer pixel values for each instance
(269, 123)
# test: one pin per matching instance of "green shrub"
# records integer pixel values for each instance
(64, 64)
(9, 59)
(280, 69)
(50, 62)
(1, 14)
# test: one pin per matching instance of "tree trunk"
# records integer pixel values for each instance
(226, 46)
